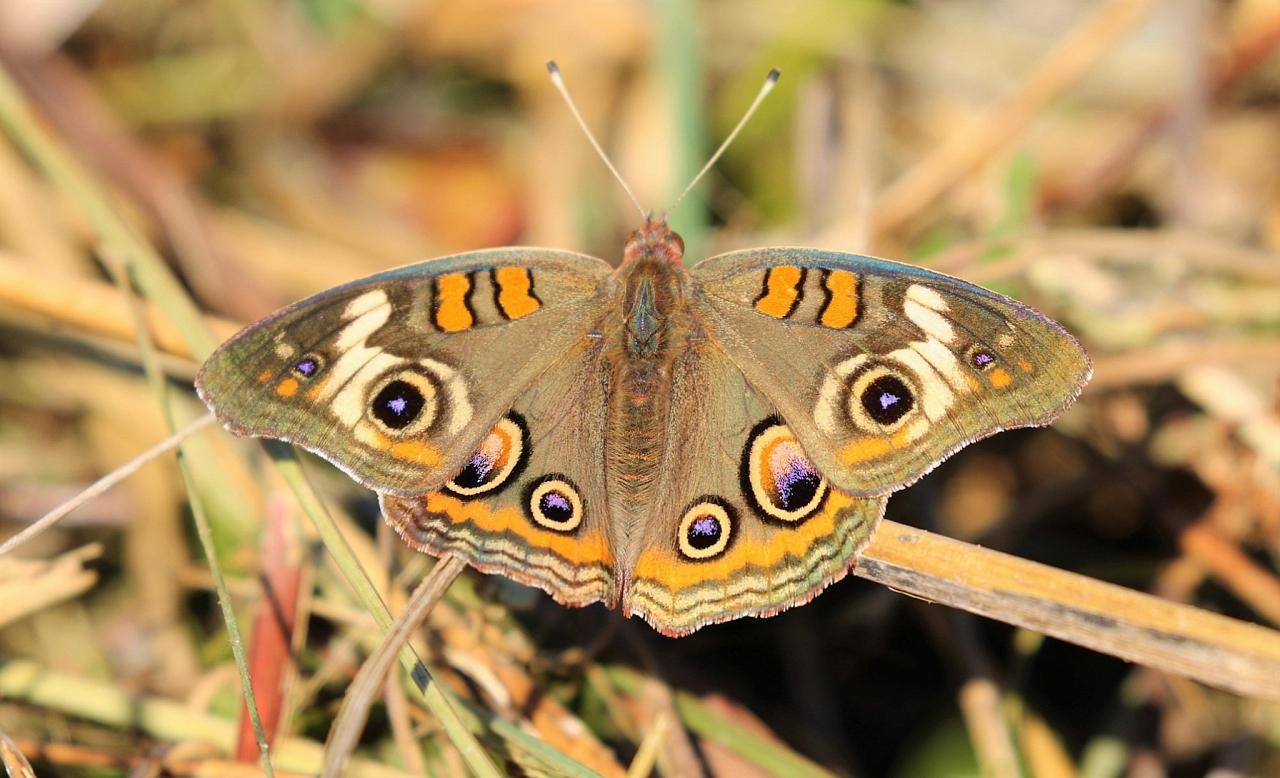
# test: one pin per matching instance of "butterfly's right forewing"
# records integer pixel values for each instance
(884, 369)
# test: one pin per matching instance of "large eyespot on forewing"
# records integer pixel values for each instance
(496, 463)
(879, 396)
(405, 402)
(778, 479)
(880, 399)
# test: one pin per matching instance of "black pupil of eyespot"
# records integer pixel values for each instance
(398, 404)
(477, 472)
(704, 532)
(556, 506)
(797, 491)
(887, 399)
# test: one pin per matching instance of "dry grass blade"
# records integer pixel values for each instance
(980, 698)
(224, 159)
(104, 483)
(110, 704)
(1248, 51)
(15, 764)
(156, 283)
(89, 306)
(153, 278)
(436, 698)
(1213, 649)
(369, 681)
(705, 721)
(647, 754)
(982, 708)
(28, 586)
(121, 266)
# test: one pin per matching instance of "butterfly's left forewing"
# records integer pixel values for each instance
(884, 369)
(396, 378)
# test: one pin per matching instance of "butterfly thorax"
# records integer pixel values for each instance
(652, 277)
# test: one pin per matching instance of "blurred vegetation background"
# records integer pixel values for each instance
(1114, 163)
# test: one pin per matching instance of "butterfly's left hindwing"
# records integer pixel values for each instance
(884, 369)
(530, 502)
(397, 377)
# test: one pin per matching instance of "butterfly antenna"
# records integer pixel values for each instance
(558, 81)
(765, 88)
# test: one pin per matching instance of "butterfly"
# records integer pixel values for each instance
(691, 444)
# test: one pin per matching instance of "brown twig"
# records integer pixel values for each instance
(364, 689)
(91, 306)
(1216, 650)
(1233, 568)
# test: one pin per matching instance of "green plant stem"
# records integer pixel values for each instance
(120, 269)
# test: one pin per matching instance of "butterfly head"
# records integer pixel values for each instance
(655, 239)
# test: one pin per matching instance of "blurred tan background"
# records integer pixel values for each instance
(1114, 163)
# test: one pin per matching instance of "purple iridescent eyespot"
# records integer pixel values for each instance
(404, 403)
(308, 366)
(398, 404)
(556, 506)
(706, 528)
(496, 462)
(777, 477)
(704, 532)
(554, 503)
(887, 399)
(795, 480)
(477, 468)
(983, 359)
